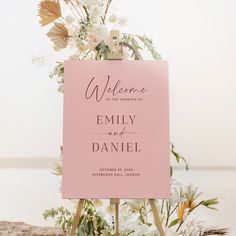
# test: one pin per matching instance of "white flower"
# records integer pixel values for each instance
(126, 53)
(168, 232)
(190, 192)
(113, 18)
(69, 20)
(122, 21)
(39, 60)
(89, 3)
(97, 34)
(137, 228)
(176, 192)
(176, 197)
(153, 233)
(95, 12)
(74, 39)
(193, 227)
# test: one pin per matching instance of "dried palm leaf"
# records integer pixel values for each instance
(59, 35)
(49, 11)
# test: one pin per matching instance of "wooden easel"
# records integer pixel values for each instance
(116, 54)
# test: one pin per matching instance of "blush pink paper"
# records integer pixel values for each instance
(90, 171)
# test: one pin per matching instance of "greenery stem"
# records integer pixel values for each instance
(168, 212)
(106, 11)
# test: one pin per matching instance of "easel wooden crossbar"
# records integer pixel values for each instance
(116, 54)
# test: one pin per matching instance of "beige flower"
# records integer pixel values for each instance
(113, 18)
(59, 35)
(49, 11)
(110, 209)
(82, 46)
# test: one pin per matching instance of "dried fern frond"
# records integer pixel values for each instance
(49, 11)
(59, 35)
(215, 232)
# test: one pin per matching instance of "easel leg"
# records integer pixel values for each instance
(117, 218)
(116, 202)
(77, 217)
(156, 217)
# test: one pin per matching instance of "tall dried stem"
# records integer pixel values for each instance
(106, 11)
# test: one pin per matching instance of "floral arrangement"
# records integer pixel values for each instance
(84, 33)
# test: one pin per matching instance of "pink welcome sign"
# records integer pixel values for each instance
(116, 135)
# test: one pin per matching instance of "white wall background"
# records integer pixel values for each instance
(198, 37)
